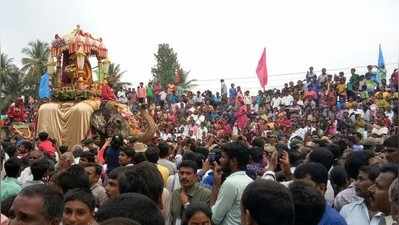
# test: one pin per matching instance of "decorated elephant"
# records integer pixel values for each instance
(114, 118)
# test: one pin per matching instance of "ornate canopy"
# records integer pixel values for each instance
(79, 41)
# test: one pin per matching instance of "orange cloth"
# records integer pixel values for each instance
(141, 92)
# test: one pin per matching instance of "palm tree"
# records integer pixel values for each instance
(6, 66)
(115, 75)
(35, 63)
(14, 86)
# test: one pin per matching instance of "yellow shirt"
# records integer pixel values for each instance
(341, 88)
(164, 173)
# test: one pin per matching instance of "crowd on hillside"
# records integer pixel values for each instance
(323, 150)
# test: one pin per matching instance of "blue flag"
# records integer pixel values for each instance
(44, 87)
(381, 62)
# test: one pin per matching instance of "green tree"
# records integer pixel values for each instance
(115, 76)
(12, 81)
(35, 64)
(166, 66)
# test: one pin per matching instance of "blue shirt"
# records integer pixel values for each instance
(226, 210)
(112, 158)
(232, 93)
(331, 217)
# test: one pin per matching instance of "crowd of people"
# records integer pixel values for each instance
(322, 151)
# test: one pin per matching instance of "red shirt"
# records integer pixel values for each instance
(47, 147)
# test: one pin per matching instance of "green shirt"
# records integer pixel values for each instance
(195, 194)
(226, 210)
(9, 186)
(150, 92)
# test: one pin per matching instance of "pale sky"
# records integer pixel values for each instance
(217, 38)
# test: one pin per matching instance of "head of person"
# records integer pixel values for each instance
(379, 199)
(188, 173)
(35, 155)
(66, 160)
(354, 161)
(79, 207)
(145, 210)
(309, 203)
(265, 202)
(339, 179)
(37, 204)
(126, 156)
(117, 141)
(391, 149)
(120, 221)
(394, 199)
(25, 147)
(313, 173)
(86, 157)
(235, 157)
(321, 155)
(43, 136)
(366, 178)
(12, 167)
(163, 150)
(152, 154)
(145, 178)
(40, 169)
(74, 177)
(197, 213)
(93, 171)
(117, 182)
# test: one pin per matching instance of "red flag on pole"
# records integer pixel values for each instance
(261, 70)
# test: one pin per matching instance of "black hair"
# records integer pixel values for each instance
(129, 152)
(238, 151)
(63, 149)
(73, 177)
(27, 144)
(134, 206)
(82, 195)
(317, 172)
(190, 155)
(256, 154)
(190, 164)
(163, 149)
(53, 204)
(6, 205)
(10, 149)
(39, 168)
(139, 157)
(389, 168)
(145, 178)
(258, 142)
(43, 136)
(98, 168)
(354, 161)
(119, 221)
(323, 156)
(339, 178)
(195, 207)
(268, 203)
(90, 157)
(152, 154)
(309, 203)
(371, 170)
(202, 151)
(119, 174)
(117, 141)
(12, 167)
(392, 142)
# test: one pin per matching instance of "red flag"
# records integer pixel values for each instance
(261, 70)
